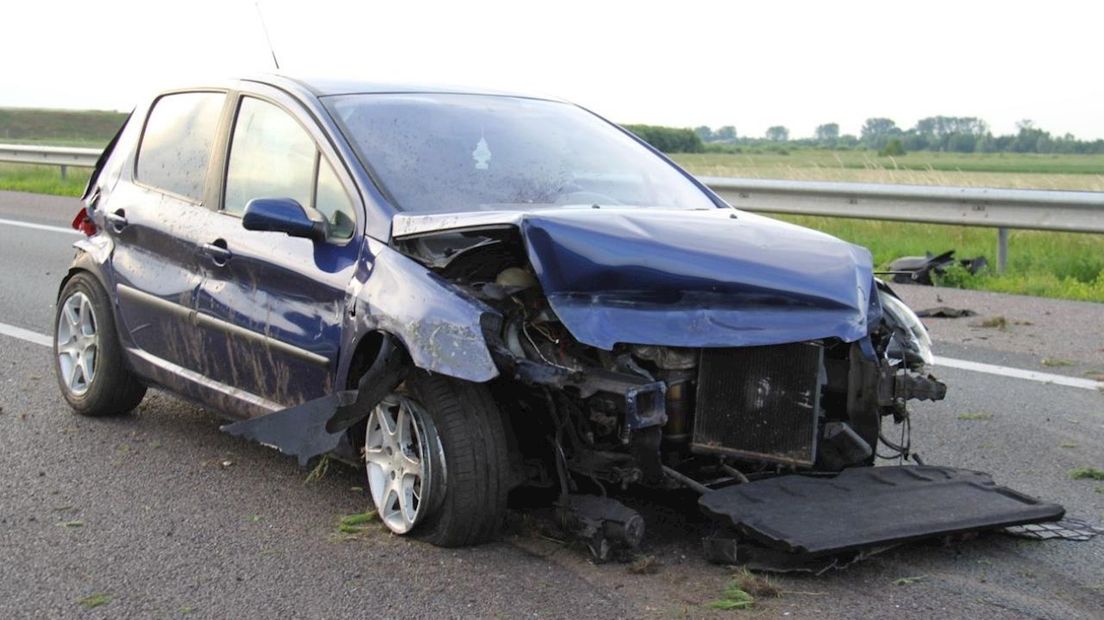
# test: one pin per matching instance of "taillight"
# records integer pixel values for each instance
(84, 223)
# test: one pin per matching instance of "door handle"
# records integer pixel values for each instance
(217, 250)
(116, 220)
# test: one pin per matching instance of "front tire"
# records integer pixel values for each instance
(436, 459)
(88, 359)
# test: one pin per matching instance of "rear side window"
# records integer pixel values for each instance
(177, 142)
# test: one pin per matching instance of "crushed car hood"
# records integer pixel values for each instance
(704, 278)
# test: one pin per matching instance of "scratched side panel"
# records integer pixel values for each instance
(156, 275)
(271, 319)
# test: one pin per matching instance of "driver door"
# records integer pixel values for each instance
(271, 306)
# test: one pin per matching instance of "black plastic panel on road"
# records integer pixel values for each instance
(871, 506)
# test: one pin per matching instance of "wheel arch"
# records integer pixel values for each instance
(439, 326)
(90, 258)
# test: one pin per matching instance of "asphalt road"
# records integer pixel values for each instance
(167, 517)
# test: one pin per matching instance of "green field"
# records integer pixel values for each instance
(1045, 264)
(79, 128)
(85, 128)
(1014, 170)
(1066, 265)
(43, 179)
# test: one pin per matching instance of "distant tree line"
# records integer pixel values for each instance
(669, 139)
(959, 134)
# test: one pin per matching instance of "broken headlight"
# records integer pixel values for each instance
(909, 342)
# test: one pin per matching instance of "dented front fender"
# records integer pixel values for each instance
(438, 324)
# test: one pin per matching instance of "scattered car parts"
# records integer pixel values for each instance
(923, 269)
(818, 519)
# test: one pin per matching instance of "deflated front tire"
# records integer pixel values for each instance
(436, 460)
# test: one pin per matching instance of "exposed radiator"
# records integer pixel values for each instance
(759, 403)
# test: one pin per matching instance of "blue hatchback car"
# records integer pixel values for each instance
(470, 292)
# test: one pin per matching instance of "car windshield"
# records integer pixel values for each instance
(451, 152)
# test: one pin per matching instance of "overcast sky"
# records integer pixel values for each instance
(684, 63)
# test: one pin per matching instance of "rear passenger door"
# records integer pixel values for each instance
(271, 306)
(154, 217)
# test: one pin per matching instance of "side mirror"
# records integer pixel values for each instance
(284, 215)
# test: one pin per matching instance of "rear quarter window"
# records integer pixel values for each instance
(177, 142)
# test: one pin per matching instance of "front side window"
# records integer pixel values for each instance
(452, 152)
(272, 156)
(177, 141)
(332, 201)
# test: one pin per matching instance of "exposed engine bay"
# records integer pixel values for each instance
(621, 416)
(672, 416)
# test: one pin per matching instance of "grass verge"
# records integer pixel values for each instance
(43, 179)
(1042, 264)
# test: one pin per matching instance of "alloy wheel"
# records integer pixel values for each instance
(401, 453)
(77, 343)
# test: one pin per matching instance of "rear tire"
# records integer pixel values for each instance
(88, 359)
(462, 478)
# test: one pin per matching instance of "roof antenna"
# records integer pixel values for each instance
(267, 38)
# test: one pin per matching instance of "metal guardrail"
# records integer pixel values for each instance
(964, 206)
(62, 156)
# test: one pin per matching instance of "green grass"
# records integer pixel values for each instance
(743, 590)
(1086, 473)
(733, 598)
(357, 524)
(319, 471)
(1043, 264)
(81, 128)
(95, 600)
(59, 127)
(913, 166)
(43, 179)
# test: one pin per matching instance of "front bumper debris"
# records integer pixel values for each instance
(798, 522)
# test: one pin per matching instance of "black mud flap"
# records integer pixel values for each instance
(318, 426)
(298, 431)
(797, 520)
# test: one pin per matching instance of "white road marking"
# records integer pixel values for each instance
(25, 334)
(57, 229)
(947, 362)
(1018, 373)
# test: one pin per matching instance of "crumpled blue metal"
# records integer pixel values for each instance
(687, 278)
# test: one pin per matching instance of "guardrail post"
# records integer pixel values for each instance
(63, 171)
(1002, 249)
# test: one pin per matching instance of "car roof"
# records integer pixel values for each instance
(327, 86)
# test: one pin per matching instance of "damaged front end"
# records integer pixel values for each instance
(648, 351)
(678, 376)
(712, 350)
